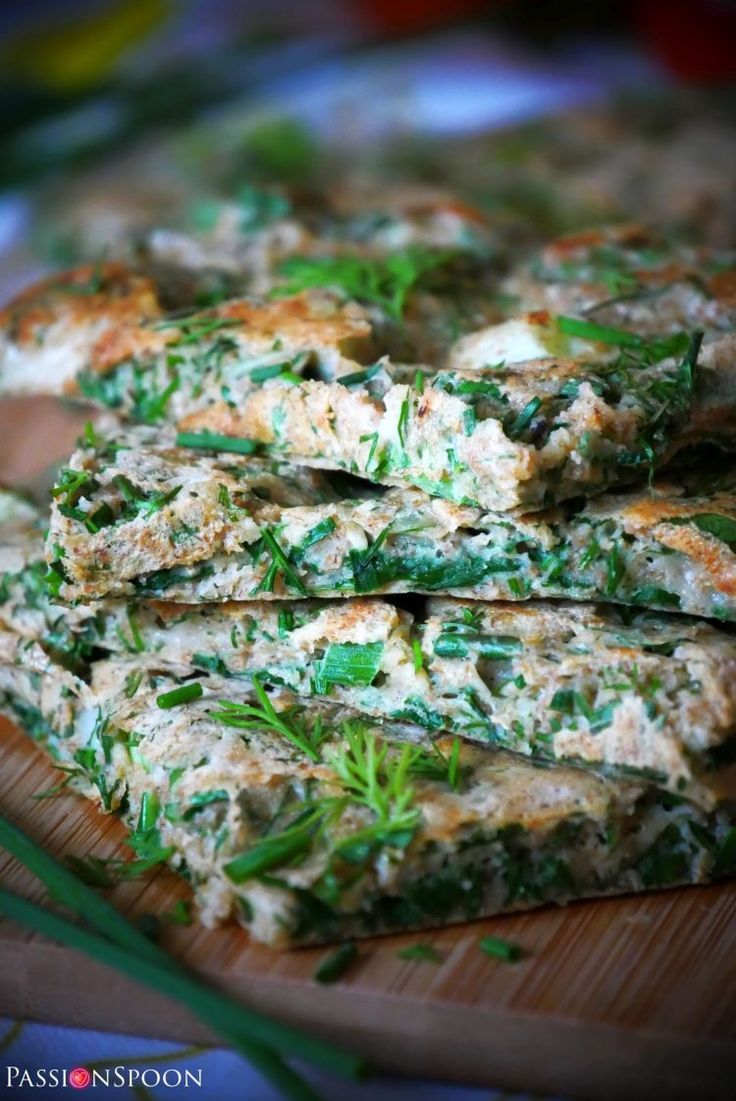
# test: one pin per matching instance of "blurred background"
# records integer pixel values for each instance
(119, 115)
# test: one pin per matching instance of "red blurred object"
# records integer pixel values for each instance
(696, 40)
(399, 16)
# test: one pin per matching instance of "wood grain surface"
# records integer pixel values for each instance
(623, 998)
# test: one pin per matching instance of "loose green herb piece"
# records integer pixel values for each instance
(424, 952)
(335, 966)
(500, 949)
(214, 441)
(180, 914)
(184, 694)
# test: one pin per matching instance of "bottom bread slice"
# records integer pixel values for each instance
(313, 825)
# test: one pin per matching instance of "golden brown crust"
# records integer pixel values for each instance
(73, 297)
(652, 516)
(630, 235)
(711, 553)
(722, 286)
(303, 320)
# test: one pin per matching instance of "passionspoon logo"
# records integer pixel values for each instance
(80, 1078)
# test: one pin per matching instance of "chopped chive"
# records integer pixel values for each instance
(334, 966)
(149, 812)
(184, 694)
(268, 371)
(515, 426)
(213, 441)
(273, 852)
(453, 766)
(424, 952)
(500, 949)
(615, 570)
(349, 663)
(102, 517)
(606, 334)
(403, 422)
(418, 655)
(208, 1005)
(280, 561)
(357, 377)
(316, 534)
(138, 643)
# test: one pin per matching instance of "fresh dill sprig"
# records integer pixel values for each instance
(435, 765)
(376, 778)
(246, 716)
(368, 773)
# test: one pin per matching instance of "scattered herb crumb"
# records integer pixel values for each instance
(180, 914)
(500, 949)
(184, 694)
(424, 952)
(335, 965)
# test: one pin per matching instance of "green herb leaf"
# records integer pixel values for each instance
(500, 949)
(334, 966)
(357, 378)
(213, 441)
(424, 952)
(517, 424)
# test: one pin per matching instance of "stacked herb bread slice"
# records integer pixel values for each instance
(310, 822)
(629, 692)
(210, 648)
(144, 512)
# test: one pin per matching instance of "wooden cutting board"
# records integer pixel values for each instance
(632, 997)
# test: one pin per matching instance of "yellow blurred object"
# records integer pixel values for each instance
(77, 55)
